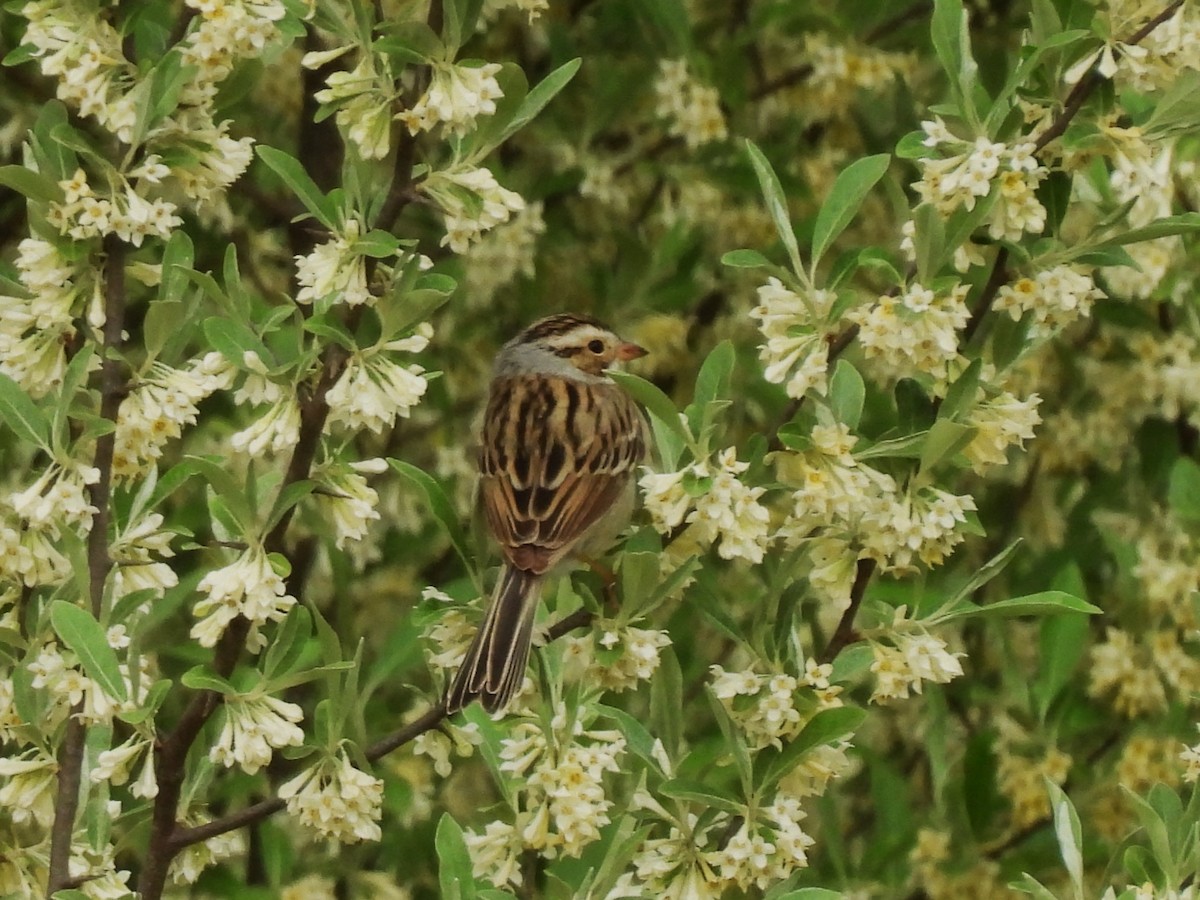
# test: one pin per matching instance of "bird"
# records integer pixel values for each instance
(559, 448)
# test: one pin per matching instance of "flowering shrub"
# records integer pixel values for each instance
(908, 607)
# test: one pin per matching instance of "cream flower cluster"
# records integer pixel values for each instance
(337, 800)
(672, 867)
(920, 524)
(840, 71)
(456, 97)
(562, 802)
(795, 328)
(692, 110)
(466, 221)
(761, 848)
(60, 676)
(910, 658)
(1155, 62)
(35, 329)
(615, 657)
(1124, 672)
(364, 97)
(965, 172)
(28, 792)
(352, 503)
(155, 411)
(769, 847)
(533, 8)
(439, 744)
(115, 765)
(34, 518)
(127, 214)
(248, 587)
(1001, 422)
(191, 862)
(915, 331)
(253, 727)
(1190, 756)
(845, 510)
(276, 429)
(334, 269)
(503, 254)
(374, 389)
(1055, 298)
(225, 31)
(1022, 772)
(714, 503)
(82, 51)
(764, 706)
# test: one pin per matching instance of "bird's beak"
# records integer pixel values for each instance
(627, 351)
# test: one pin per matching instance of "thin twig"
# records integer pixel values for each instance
(427, 721)
(996, 280)
(844, 634)
(70, 756)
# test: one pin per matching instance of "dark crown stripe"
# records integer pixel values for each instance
(552, 326)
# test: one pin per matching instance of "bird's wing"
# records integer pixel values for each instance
(555, 455)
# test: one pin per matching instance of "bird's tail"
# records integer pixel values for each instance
(494, 666)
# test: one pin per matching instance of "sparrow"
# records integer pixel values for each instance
(559, 449)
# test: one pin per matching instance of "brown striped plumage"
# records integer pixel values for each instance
(560, 445)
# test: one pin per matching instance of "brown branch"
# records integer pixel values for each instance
(70, 757)
(1085, 87)
(844, 634)
(996, 280)
(430, 719)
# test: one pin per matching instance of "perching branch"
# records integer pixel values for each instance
(70, 756)
(430, 719)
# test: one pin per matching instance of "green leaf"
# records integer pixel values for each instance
(289, 642)
(950, 32)
(692, 791)
(776, 204)
(454, 860)
(907, 447)
(1183, 490)
(1069, 835)
(826, 727)
(31, 184)
(712, 382)
(201, 678)
(148, 707)
(734, 742)
(945, 439)
(638, 738)
(1178, 109)
(79, 630)
(234, 340)
(811, 893)
(21, 415)
(960, 398)
(653, 400)
(847, 392)
(1184, 223)
(666, 702)
(536, 100)
(745, 259)
(301, 184)
(439, 504)
(985, 573)
(846, 197)
(1046, 603)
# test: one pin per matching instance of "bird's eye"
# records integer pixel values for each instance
(596, 346)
